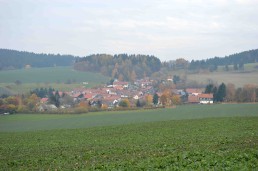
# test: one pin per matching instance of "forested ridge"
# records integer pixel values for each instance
(13, 59)
(122, 66)
(245, 57)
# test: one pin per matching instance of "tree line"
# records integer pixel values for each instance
(13, 59)
(229, 93)
(122, 67)
(238, 60)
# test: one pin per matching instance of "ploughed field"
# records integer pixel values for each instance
(190, 137)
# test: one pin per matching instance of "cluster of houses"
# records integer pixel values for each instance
(111, 95)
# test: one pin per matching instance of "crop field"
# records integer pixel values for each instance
(198, 137)
(33, 122)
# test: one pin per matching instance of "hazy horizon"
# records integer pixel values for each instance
(165, 29)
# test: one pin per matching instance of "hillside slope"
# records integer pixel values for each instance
(13, 59)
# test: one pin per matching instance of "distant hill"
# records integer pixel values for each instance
(122, 66)
(13, 59)
(238, 59)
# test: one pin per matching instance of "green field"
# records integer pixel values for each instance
(54, 77)
(32, 122)
(197, 137)
(50, 75)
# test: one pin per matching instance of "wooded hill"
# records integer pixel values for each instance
(13, 59)
(238, 60)
(122, 66)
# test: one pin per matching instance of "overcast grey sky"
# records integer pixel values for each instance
(168, 29)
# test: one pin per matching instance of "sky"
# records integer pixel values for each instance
(167, 29)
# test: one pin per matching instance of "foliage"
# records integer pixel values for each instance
(248, 93)
(155, 99)
(122, 66)
(238, 60)
(219, 94)
(54, 98)
(124, 103)
(43, 92)
(12, 59)
(149, 99)
(138, 103)
(176, 79)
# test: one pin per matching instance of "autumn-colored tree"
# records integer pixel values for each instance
(121, 77)
(176, 100)
(149, 99)
(249, 93)
(181, 63)
(124, 103)
(133, 76)
(12, 100)
(31, 102)
(83, 104)
(231, 92)
(114, 71)
(165, 98)
(104, 106)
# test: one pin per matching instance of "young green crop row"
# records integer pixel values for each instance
(200, 144)
(32, 122)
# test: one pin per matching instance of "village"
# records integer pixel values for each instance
(139, 94)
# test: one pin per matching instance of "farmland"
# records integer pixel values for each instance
(48, 77)
(237, 78)
(182, 138)
(32, 122)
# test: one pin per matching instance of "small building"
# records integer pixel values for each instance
(193, 99)
(205, 98)
(200, 98)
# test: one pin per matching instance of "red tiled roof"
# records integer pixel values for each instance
(208, 96)
(193, 99)
(120, 83)
(88, 96)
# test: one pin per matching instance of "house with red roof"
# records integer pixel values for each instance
(205, 98)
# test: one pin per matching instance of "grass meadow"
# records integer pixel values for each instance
(237, 78)
(194, 137)
(61, 78)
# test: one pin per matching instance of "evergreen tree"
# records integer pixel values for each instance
(215, 93)
(138, 103)
(155, 99)
(221, 94)
(209, 88)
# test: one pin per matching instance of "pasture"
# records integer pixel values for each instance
(249, 75)
(198, 137)
(237, 78)
(61, 78)
(50, 75)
